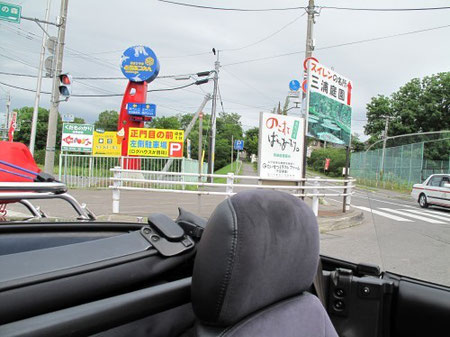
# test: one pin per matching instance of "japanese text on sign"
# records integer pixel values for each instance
(77, 137)
(281, 147)
(106, 144)
(329, 83)
(155, 142)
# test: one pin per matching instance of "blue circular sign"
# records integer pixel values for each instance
(294, 85)
(139, 64)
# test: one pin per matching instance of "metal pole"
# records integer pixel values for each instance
(347, 164)
(53, 115)
(308, 53)
(212, 134)
(386, 126)
(189, 128)
(232, 138)
(200, 145)
(39, 83)
(8, 105)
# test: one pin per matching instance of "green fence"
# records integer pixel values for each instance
(403, 165)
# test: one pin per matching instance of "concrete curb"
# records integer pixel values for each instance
(327, 224)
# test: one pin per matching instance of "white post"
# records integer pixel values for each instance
(60, 166)
(315, 199)
(230, 182)
(349, 198)
(90, 171)
(116, 191)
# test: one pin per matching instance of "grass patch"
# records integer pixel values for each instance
(228, 169)
(383, 185)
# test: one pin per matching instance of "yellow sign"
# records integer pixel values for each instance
(155, 142)
(106, 144)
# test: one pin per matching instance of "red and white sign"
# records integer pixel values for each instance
(12, 126)
(327, 164)
(329, 83)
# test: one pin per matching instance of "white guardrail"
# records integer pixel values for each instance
(157, 181)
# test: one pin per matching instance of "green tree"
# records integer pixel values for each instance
(285, 106)
(24, 118)
(251, 140)
(421, 105)
(172, 122)
(418, 106)
(357, 144)
(228, 125)
(107, 120)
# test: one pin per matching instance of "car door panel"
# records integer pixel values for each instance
(420, 309)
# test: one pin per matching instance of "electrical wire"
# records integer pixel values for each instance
(386, 9)
(296, 8)
(247, 84)
(94, 78)
(96, 96)
(231, 9)
(267, 37)
(338, 45)
(16, 59)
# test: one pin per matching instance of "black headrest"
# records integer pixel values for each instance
(258, 247)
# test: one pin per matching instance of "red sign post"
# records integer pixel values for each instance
(136, 92)
(140, 65)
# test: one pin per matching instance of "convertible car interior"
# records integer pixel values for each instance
(252, 269)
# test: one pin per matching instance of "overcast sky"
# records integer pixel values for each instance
(99, 31)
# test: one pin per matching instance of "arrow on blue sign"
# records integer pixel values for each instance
(141, 109)
(294, 85)
(239, 145)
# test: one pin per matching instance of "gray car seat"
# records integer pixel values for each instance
(258, 255)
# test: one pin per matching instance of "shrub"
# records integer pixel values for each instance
(337, 160)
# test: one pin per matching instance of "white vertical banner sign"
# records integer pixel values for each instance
(280, 147)
(330, 100)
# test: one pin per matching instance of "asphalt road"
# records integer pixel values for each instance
(397, 235)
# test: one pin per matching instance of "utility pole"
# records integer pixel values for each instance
(39, 82)
(212, 134)
(53, 115)
(189, 128)
(7, 117)
(385, 134)
(308, 53)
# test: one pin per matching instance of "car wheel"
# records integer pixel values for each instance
(423, 201)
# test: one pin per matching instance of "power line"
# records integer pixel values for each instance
(16, 59)
(93, 78)
(231, 9)
(297, 8)
(338, 45)
(100, 95)
(247, 84)
(267, 37)
(386, 9)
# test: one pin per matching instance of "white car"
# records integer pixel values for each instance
(433, 191)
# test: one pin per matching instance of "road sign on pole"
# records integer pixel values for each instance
(238, 145)
(10, 12)
(294, 85)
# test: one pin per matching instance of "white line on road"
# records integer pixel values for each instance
(413, 216)
(387, 215)
(432, 214)
(388, 202)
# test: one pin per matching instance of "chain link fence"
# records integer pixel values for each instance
(403, 166)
